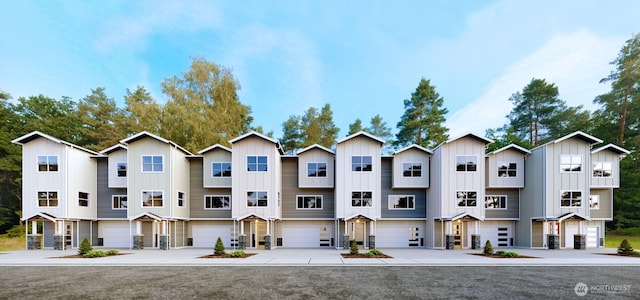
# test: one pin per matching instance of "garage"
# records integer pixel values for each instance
(399, 234)
(500, 235)
(306, 236)
(116, 236)
(206, 236)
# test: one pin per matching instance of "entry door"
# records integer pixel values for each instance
(255, 236)
(261, 231)
(456, 231)
(358, 231)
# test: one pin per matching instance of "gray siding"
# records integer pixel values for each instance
(105, 205)
(420, 195)
(513, 204)
(197, 192)
(290, 191)
(606, 204)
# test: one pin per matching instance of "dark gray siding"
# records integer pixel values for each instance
(420, 195)
(105, 205)
(513, 204)
(290, 191)
(85, 232)
(197, 192)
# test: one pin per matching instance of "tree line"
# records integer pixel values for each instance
(203, 108)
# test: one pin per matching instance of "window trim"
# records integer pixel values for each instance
(361, 164)
(390, 205)
(466, 166)
(411, 169)
(184, 198)
(88, 199)
(221, 163)
(309, 208)
(48, 199)
(257, 198)
(571, 163)
(597, 207)
(508, 164)
(362, 198)
(257, 163)
(317, 163)
(217, 208)
(593, 169)
(151, 191)
(120, 202)
(466, 199)
(118, 169)
(48, 163)
(152, 164)
(570, 199)
(506, 201)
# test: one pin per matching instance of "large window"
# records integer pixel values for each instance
(361, 199)
(181, 199)
(507, 169)
(257, 198)
(152, 163)
(47, 199)
(571, 163)
(47, 163)
(217, 202)
(466, 163)
(122, 169)
(361, 163)
(152, 198)
(257, 163)
(594, 201)
(495, 202)
(119, 202)
(309, 202)
(316, 169)
(83, 199)
(571, 199)
(602, 169)
(401, 202)
(221, 169)
(411, 169)
(467, 198)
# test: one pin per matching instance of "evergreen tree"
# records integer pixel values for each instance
(142, 112)
(85, 247)
(102, 121)
(312, 127)
(423, 118)
(354, 247)
(355, 127)
(219, 248)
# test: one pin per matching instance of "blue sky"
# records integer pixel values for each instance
(362, 57)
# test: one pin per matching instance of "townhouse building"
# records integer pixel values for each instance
(149, 193)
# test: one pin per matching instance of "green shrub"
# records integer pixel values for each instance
(488, 248)
(113, 252)
(625, 248)
(510, 254)
(354, 248)
(375, 252)
(85, 247)
(16, 231)
(219, 248)
(500, 252)
(369, 254)
(95, 253)
(237, 253)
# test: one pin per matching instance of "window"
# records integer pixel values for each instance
(602, 169)
(49, 199)
(495, 202)
(361, 164)
(119, 202)
(594, 201)
(412, 170)
(401, 202)
(361, 199)
(152, 198)
(309, 202)
(571, 199)
(507, 169)
(317, 169)
(257, 163)
(47, 163)
(83, 199)
(570, 163)
(221, 169)
(180, 199)
(217, 202)
(257, 198)
(152, 163)
(467, 198)
(122, 169)
(466, 163)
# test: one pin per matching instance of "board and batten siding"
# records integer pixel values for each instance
(419, 194)
(82, 177)
(512, 212)
(106, 193)
(605, 157)
(115, 157)
(605, 210)
(291, 191)
(217, 155)
(315, 155)
(197, 192)
(179, 182)
(410, 156)
(493, 162)
(156, 181)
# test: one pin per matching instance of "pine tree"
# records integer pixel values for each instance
(625, 248)
(85, 247)
(354, 248)
(219, 248)
(488, 248)
(422, 122)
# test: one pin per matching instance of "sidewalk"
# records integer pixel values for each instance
(320, 257)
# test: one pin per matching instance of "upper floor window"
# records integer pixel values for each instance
(217, 201)
(594, 201)
(257, 198)
(401, 202)
(83, 199)
(361, 199)
(181, 199)
(466, 163)
(602, 169)
(309, 202)
(495, 202)
(570, 163)
(49, 199)
(316, 169)
(257, 164)
(507, 169)
(467, 198)
(361, 163)
(221, 169)
(152, 163)
(121, 169)
(571, 199)
(412, 169)
(47, 163)
(152, 198)
(119, 202)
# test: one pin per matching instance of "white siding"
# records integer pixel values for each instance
(34, 181)
(119, 156)
(216, 155)
(315, 156)
(139, 181)
(505, 157)
(606, 157)
(410, 156)
(558, 181)
(82, 177)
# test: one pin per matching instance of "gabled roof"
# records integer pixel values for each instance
(359, 133)
(472, 135)
(613, 148)
(251, 216)
(581, 135)
(512, 146)
(40, 216)
(144, 134)
(37, 134)
(359, 216)
(567, 216)
(146, 215)
(413, 146)
(113, 148)
(262, 136)
(216, 146)
(460, 216)
(316, 146)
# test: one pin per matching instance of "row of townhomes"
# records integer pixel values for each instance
(148, 192)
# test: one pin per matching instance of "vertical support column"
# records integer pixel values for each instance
(138, 237)
(267, 237)
(372, 234)
(163, 237)
(553, 240)
(58, 237)
(34, 240)
(242, 237)
(345, 236)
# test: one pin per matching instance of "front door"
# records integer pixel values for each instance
(358, 233)
(257, 229)
(456, 231)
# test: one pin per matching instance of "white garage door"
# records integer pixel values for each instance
(116, 236)
(499, 235)
(592, 237)
(305, 237)
(206, 236)
(570, 229)
(398, 235)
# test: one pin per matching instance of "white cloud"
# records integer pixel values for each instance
(575, 62)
